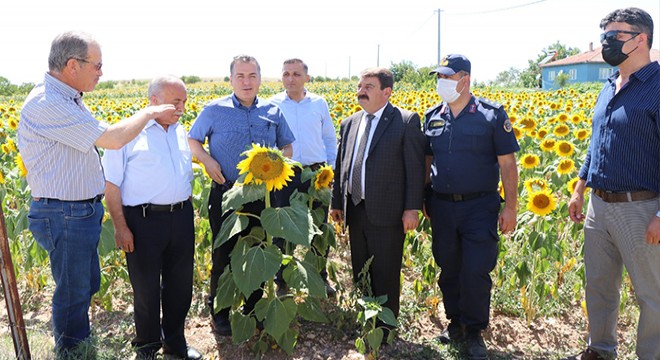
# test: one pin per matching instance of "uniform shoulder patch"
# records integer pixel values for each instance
(432, 110)
(507, 125)
(492, 104)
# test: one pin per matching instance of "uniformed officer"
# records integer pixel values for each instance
(470, 142)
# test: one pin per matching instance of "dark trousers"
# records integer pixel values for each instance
(465, 247)
(385, 244)
(220, 255)
(281, 198)
(161, 270)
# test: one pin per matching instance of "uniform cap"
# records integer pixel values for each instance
(451, 64)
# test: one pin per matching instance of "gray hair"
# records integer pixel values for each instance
(157, 84)
(68, 45)
(246, 59)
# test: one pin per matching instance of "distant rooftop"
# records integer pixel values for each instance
(592, 56)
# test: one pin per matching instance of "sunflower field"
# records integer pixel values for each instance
(540, 268)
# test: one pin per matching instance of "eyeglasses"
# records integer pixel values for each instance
(613, 35)
(98, 66)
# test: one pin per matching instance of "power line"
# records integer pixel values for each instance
(498, 10)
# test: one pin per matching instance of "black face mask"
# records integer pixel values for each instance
(612, 53)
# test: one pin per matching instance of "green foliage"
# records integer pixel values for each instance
(109, 84)
(192, 79)
(407, 72)
(531, 76)
(9, 89)
(562, 79)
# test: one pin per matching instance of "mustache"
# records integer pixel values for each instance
(363, 96)
(178, 113)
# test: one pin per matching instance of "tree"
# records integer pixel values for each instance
(509, 78)
(531, 77)
(6, 87)
(407, 72)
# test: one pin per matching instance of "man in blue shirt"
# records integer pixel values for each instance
(622, 167)
(231, 124)
(471, 141)
(316, 143)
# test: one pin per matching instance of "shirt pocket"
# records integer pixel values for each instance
(263, 132)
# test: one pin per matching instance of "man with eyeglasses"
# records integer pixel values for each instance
(57, 138)
(471, 143)
(622, 167)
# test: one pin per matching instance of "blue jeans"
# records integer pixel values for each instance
(70, 231)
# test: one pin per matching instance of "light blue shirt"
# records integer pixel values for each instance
(310, 122)
(56, 136)
(154, 168)
(232, 128)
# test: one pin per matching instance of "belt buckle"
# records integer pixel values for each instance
(174, 206)
(456, 197)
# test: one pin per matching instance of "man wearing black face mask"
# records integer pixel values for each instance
(471, 142)
(622, 166)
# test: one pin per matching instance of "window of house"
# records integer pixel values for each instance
(572, 74)
(551, 74)
(604, 73)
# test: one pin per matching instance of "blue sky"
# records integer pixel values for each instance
(142, 39)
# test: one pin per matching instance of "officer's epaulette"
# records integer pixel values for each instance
(489, 103)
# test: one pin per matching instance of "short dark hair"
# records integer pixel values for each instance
(384, 75)
(243, 59)
(639, 19)
(297, 61)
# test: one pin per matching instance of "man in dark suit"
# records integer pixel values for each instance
(379, 182)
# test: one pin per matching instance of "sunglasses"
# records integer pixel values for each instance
(613, 35)
(96, 66)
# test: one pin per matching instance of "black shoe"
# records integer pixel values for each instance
(453, 334)
(329, 290)
(145, 354)
(191, 354)
(221, 326)
(475, 346)
(585, 355)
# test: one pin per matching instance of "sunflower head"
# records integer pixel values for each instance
(566, 166)
(324, 177)
(561, 130)
(581, 134)
(564, 148)
(22, 170)
(541, 202)
(535, 184)
(570, 186)
(548, 144)
(530, 161)
(267, 166)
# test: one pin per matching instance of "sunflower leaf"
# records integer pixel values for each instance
(240, 195)
(303, 275)
(279, 316)
(231, 226)
(251, 266)
(293, 223)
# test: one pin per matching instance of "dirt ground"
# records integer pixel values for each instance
(507, 337)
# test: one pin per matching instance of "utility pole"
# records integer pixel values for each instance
(438, 11)
(378, 56)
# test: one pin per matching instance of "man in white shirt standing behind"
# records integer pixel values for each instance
(148, 189)
(316, 142)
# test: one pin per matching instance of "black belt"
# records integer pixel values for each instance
(615, 197)
(461, 197)
(160, 208)
(95, 199)
(314, 166)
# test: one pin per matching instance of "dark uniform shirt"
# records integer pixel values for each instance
(465, 147)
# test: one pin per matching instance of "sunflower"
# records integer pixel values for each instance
(566, 166)
(563, 117)
(265, 166)
(548, 144)
(530, 161)
(528, 124)
(22, 171)
(564, 148)
(570, 186)
(2, 178)
(5, 149)
(500, 189)
(324, 177)
(535, 184)
(541, 202)
(576, 119)
(561, 130)
(517, 132)
(581, 134)
(542, 133)
(12, 123)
